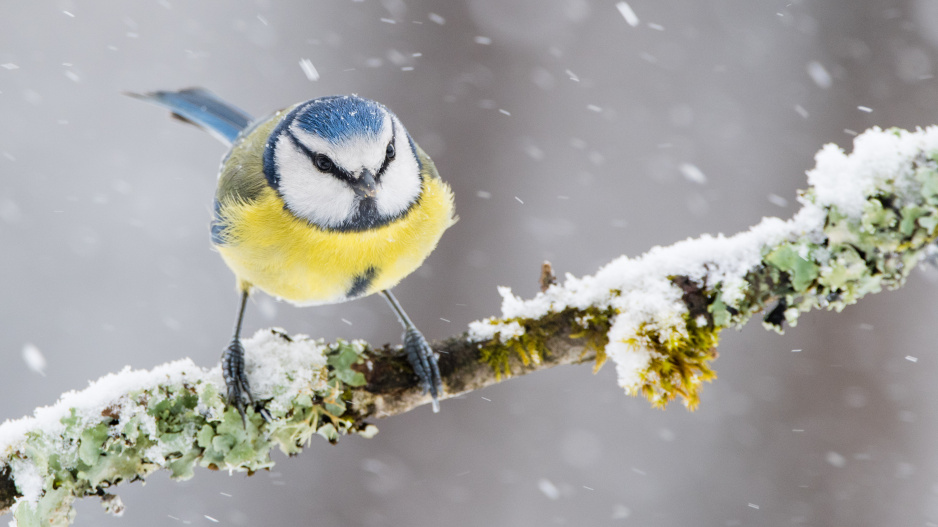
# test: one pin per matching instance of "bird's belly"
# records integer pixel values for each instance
(305, 274)
(269, 248)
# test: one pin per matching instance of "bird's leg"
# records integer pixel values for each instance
(419, 353)
(232, 367)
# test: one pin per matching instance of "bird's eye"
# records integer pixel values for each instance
(323, 162)
(391, 151)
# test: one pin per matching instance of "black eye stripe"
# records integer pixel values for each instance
(334, 170)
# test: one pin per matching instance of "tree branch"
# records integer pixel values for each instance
(866, 220)
(353, 383)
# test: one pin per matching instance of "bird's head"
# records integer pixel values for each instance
(343, 163)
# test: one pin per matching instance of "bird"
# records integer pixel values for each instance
(325, 201)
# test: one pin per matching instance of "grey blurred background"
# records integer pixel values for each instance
(563, 130)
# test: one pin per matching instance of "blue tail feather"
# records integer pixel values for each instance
(203, 109)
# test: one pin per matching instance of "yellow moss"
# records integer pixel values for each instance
(595, 323)
(591, 324)
(680, 363)
(496, 355)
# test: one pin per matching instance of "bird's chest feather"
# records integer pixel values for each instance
(289, 258)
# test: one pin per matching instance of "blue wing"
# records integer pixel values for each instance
(202, 108)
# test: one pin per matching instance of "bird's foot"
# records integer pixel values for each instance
(236, 380)
(424, 361)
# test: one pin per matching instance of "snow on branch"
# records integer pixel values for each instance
(866, 220)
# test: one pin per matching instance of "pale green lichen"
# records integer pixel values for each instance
(857, 256)
(177, 427)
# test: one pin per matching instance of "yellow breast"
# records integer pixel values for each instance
(267, 247)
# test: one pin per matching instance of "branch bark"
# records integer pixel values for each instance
(391, 388)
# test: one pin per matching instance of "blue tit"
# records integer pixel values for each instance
(322, 202)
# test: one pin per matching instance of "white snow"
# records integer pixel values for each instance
(843, 180)
(309, 69)
(34, 359)
(277, 370)
(99, 395)
(505, 330)
(777, 200)
(620, 512)
(280, 370)
(646, 295)
(819, 74)
(836, 459)
(627, 13)
(29, 480)
(692, 173)
(547, 487)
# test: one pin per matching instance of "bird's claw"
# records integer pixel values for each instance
(236, 381)
(424, 362)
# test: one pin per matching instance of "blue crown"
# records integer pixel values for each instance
(339, 118)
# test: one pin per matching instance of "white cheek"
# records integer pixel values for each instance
(400, 183)
(308, 193)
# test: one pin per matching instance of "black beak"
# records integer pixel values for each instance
(364, 186)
